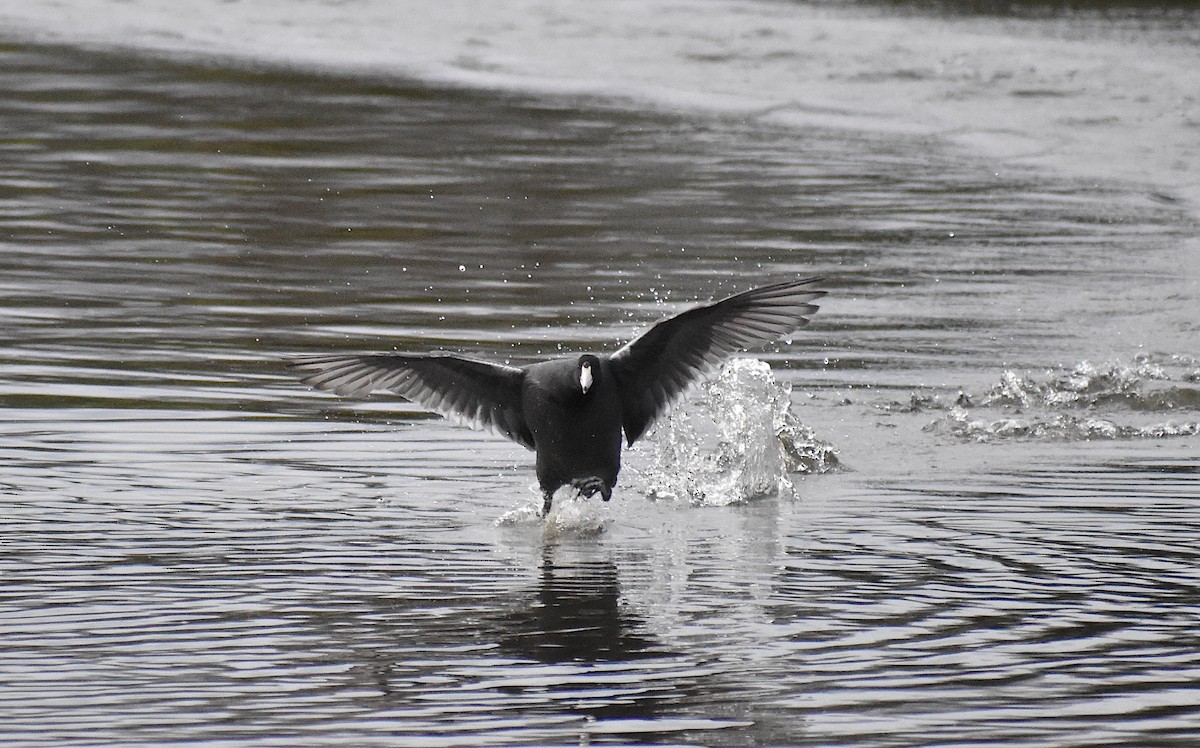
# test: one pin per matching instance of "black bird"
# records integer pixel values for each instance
(571, 411)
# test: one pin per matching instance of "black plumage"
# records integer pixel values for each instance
(572, 411)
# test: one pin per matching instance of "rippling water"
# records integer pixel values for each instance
(197, 550)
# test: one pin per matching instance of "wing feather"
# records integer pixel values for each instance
(478, 394)
(658, 367)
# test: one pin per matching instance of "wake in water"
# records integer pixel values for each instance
(739, 441)
(1086, 402)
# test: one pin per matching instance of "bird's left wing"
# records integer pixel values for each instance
(655, 369)
(478, 394)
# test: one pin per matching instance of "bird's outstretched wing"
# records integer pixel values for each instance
(478, 394)
(659, 366)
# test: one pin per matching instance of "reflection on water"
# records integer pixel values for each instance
(574, 615)
(196, 549)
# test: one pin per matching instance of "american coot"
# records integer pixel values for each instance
(571, 411)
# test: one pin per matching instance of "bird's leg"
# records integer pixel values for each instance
(547, 500)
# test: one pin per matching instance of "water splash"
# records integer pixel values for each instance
(570, 514)
(1089, 385)
(1056, 426)
(1089, 401)
(739, 441)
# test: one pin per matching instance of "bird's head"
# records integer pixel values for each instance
(589, 371)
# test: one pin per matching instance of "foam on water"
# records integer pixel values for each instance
(739, 441)
(1088, 401)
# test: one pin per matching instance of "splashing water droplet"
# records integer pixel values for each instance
(740, 442)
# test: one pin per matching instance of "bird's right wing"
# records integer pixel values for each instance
(658, 367)
(478, 394)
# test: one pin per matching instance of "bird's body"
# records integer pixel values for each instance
(576, 437)
(573, 411)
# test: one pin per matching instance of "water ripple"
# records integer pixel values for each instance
(197, 550)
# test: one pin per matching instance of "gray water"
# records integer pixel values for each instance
(196, 550)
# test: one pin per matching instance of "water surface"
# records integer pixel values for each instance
(197, 550)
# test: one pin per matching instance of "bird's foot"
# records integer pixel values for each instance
(586, 487)
(589, 487)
